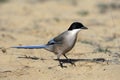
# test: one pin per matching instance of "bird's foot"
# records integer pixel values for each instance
(61, 65)
(72, 63)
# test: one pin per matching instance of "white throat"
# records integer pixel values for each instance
(75, 31)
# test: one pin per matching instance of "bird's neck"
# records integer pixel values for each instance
(75, 31)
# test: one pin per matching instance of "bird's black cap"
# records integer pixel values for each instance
(77, 25)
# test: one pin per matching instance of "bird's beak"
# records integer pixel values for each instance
(84, 28)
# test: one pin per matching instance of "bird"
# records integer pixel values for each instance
(61, 44)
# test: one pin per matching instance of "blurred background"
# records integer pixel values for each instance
(30, 22)
(40, 18)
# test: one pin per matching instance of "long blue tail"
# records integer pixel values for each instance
(30, 47)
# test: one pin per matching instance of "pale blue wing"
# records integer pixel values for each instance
(53, 41)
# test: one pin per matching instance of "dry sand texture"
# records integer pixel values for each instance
(28, 22)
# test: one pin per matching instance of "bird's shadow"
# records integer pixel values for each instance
(96, 60)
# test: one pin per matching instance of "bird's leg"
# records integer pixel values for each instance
(58, 57)
(61, 64)
(65, 56)
(69, 60)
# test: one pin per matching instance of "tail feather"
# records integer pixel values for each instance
(30, 47)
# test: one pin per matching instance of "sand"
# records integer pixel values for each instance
(32, 22)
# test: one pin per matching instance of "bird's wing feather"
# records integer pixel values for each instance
(57, 40)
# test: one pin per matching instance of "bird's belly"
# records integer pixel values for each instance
(64, 47)
(67, 45)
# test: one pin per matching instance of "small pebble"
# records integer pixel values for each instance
(4, 50)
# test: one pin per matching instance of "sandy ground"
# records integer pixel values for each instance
(29, 22)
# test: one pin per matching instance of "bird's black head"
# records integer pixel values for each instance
(77, 25)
